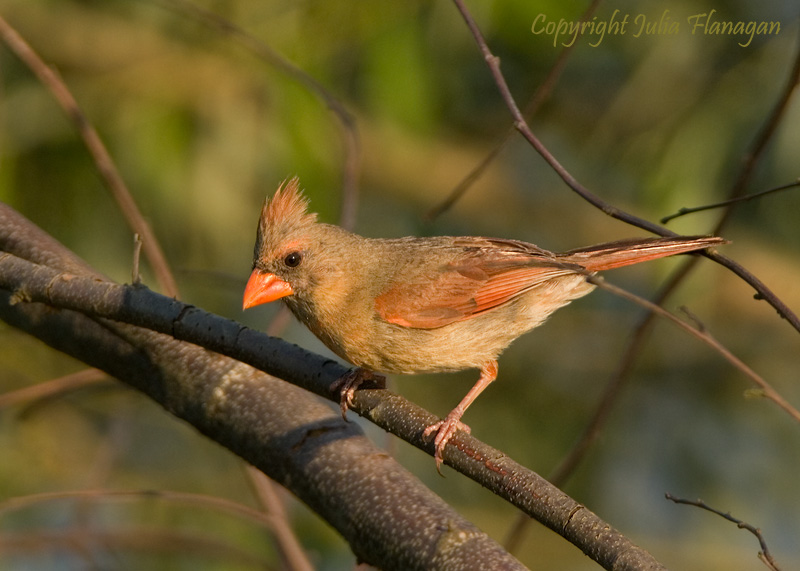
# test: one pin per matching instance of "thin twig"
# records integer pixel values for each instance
(762, 291)
(639, 335)
(541, 95)
(136, 277)
(214, 502)
(522, 126)
(768, 392)
(763, 137)
(764, 555)
(105, 164)
(347, 121)
(744, 198)
(46, 389)
(266, 490)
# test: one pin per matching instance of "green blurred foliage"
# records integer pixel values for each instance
(202, 131)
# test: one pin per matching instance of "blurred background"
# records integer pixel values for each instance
(202, 130)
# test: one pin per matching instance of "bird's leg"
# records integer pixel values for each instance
(445, 429)
(347, 385)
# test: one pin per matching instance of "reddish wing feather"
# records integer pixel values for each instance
(465, 288)
(430, 303)
(505, 286)
(492, 272)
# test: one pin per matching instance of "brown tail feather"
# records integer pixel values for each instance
(626, 252)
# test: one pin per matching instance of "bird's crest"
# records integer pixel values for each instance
(288, 207)
(284, 217)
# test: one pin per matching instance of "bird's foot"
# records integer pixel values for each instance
(354, 379)
(445, 430)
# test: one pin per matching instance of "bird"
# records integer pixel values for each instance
(422, 304)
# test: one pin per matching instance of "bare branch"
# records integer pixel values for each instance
(640, 333)
(299, 442)
(136, 277)
(292, 553)
(522, 126)
(539, 97)
(764, 555)
(47, 389)
(701, 334)
(124, 310)
(347, 121)
(105, 164)
(684, 211)
(763, 137)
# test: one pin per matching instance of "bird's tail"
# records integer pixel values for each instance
(626, 252)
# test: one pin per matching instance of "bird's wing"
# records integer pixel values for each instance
(476, 281)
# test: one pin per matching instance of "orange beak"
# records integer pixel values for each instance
(263, 287)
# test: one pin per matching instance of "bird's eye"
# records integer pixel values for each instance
(293, 259)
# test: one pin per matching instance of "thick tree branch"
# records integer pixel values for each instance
(232, 403)
(102, 158)
(298, 441)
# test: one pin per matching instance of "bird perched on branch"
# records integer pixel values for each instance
(422, 305)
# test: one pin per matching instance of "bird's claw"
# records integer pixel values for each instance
(445, 430)
(347, 385)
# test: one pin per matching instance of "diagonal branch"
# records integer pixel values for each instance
(289, 435)
(539, 97)
(728, 202)
(228, 401)
(105, 164)
(347, 121)
(763, 137)
(641, 331)
(521, 125)
(705, 337)
(764, 554)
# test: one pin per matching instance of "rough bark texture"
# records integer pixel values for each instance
(389, 518)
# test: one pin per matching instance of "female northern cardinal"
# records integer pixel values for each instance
(422, 305)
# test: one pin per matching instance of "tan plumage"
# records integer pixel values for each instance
(419, 305)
